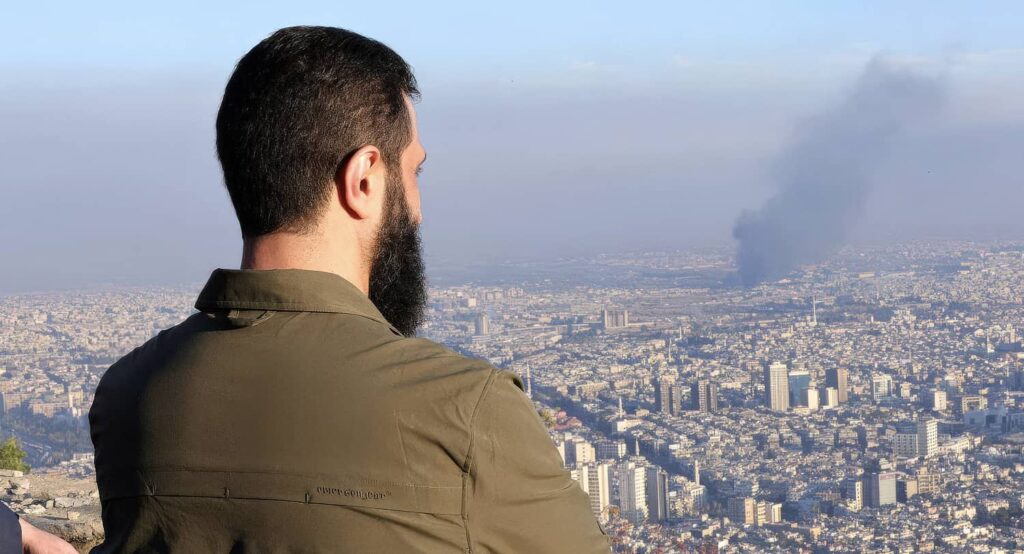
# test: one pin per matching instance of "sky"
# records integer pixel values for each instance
(553, 129)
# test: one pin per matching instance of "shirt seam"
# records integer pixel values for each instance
(285, 307)
(260, 304)
(468, 464)
(189, 469)
(158, 497)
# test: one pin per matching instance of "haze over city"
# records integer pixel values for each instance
(552, 131)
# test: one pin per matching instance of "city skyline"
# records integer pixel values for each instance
(651, 384)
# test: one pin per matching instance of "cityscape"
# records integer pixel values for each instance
(873, 402)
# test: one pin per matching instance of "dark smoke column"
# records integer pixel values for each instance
(823, 174)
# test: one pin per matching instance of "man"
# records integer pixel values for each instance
(19, 536)
(296, 411)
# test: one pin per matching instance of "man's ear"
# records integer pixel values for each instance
(360, 182)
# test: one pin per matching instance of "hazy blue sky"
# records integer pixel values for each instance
(568, 127)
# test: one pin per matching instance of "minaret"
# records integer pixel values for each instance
(814, 311)
(636, 445)
(622, 412)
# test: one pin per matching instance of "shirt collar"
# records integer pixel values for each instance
(286, 290)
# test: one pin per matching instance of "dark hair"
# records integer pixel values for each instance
(296, 107)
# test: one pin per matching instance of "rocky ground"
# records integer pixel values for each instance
(56, 501)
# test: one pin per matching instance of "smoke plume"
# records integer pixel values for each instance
(824, 174)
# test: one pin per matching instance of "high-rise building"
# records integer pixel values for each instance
(906, 488)
(799, 381)
(741, 510)
(905, 442)
(853, 490)
(562, 447)
(767, 512)
(657, 494)
(614, 319)
(927, 437)
(696, 497)
(584, 452)
(663, 394)
(838, 378)
(829, 397)
(1016, 379)
(810, 398)
(610, 449)
(880, 488)
(776, 387)
(481, 324)
(704, 396)
(677, 400)
(761, 513)
(632, 491)
(881, 386)
(938, 401)
(596, 482)
(927, 482)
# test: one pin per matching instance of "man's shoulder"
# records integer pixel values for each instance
(423, 362)
(131, 368)
(422, 349)
(434, 369)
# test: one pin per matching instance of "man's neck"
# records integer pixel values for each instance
(313, 252)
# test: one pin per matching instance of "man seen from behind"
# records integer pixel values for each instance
(296, 410)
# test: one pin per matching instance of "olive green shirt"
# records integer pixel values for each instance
(288, 415)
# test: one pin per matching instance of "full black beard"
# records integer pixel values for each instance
(398, 284)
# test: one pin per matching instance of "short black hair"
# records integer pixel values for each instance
(296, 107)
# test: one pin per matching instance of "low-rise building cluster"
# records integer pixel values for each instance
(874, 402)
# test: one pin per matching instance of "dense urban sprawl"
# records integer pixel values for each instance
(871, 403)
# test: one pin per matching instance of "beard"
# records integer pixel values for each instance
(398, 284)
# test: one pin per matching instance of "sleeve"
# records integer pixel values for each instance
(521, 499)
(10, 531)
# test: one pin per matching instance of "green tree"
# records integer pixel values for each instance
(12, 456)
(548, 417)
